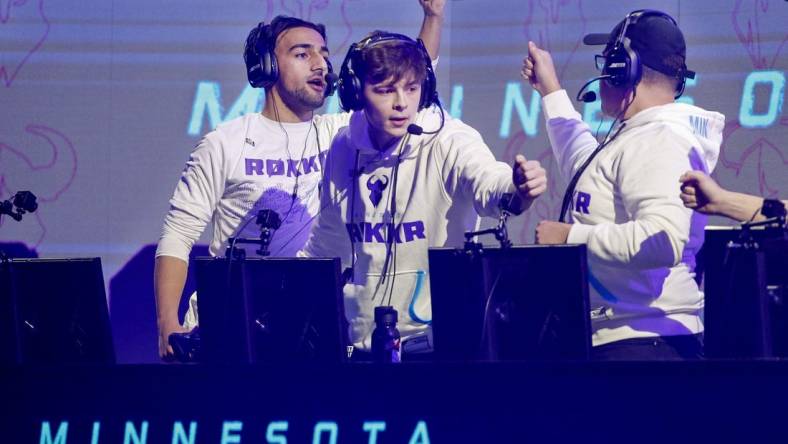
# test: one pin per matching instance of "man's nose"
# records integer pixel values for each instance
(320, 64)
(400, 103)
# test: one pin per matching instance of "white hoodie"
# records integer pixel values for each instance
(641, 240)
(441, 179)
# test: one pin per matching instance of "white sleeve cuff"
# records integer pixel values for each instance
(174, 248)
(558, 104)
(579, 234)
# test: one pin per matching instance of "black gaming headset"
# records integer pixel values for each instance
(623, 63)
(262, 69)
(350, 86)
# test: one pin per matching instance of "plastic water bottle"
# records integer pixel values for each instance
(385, 337)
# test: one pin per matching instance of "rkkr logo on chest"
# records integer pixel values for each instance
(281, 167)
(368, 233)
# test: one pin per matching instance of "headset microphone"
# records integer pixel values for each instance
(416, 130)
(331, 82)
(590, 96)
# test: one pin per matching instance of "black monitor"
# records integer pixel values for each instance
(520, 303)
(271, 310)
(746, 292)
(54, 311)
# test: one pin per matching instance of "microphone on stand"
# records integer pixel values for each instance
(24, 202)
(269, 221)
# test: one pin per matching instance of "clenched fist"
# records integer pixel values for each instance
(529, 178)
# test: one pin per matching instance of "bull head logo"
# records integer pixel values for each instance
(376, 185)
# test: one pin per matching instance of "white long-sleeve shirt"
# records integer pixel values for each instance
(443, 182)
(626, 208)
(245, 165)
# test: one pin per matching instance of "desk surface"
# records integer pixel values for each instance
(744, 401)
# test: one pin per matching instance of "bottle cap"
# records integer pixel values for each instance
(385, 315)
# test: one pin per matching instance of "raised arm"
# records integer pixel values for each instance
(570, 138)
(469, 165)
(432, 25)
(539, 71)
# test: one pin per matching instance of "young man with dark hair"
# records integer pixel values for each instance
(272, 160)
(401, 178)
(623, 196)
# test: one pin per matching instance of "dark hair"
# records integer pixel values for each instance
(282, 23)
(393, 59)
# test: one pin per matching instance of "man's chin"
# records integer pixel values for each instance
(315, 102)
(396, 133)
(307, 99)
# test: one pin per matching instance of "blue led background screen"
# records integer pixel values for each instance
(102, 101)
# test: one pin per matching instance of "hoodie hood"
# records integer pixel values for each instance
(704, 126)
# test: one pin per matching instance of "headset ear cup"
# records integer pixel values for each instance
(358, 93)
(265, 65)
(623, 64)
(427, 90)
(273, 68)
(350, 92)
(633, 67)
(349, 85)
(344, 88)
(621, 61)
(614, 64)
(342, 91)
(252, 59)
(265, 47)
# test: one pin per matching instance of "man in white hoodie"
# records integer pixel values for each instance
(401, 178)
(623, 195)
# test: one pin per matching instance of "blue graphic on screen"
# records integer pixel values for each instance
(775, 82)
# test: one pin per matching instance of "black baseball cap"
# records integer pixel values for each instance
(655, 36)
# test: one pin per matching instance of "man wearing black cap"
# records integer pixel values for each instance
(623, 196)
